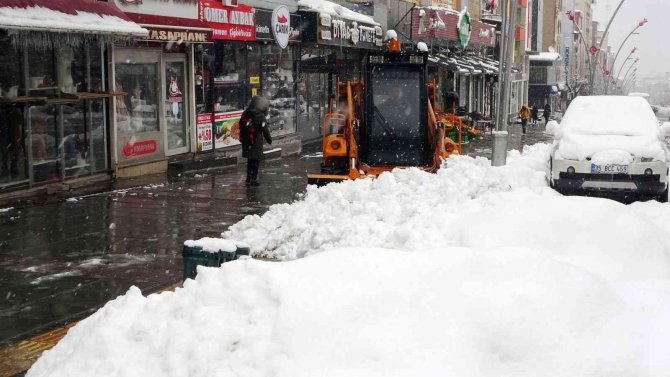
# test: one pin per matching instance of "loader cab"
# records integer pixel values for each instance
(394, 131)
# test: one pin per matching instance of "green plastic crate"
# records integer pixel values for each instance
(195, 256)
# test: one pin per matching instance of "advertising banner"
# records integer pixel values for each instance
(227, 126)
(229, 23)
(205, 133)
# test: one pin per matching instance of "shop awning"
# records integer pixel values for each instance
(465, 64)
(67, 16)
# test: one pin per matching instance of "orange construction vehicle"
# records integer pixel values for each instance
(385, 120)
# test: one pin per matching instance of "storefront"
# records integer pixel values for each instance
(460, 64)
(156, 118)
(54, 95)
(333, 47)
(253, 53)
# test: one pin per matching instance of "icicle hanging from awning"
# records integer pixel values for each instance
(41, 40)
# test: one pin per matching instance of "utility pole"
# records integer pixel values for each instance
(504, 82)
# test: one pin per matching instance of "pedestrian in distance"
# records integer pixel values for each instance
(253, 129)
(547, 113)
(524, 114)
(535, 114)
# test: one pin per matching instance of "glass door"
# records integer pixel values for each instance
(139, 134)
(175, 97)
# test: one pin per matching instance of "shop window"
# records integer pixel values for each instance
(229, 77)
(45, 139)
(41, 72)
(137, 111)
(278, 86)
(67, 134)
(12, 130)
(203, 61)
(83, 145)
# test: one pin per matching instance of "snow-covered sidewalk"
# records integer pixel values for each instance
(474, 271)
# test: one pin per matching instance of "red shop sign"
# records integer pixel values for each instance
(131, 149)
(231, 23)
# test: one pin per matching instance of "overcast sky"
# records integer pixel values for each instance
(652, 43)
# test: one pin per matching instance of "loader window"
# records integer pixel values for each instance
(397, 135)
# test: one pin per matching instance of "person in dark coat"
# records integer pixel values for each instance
(547, 113)
(253, 129)
(535, 114)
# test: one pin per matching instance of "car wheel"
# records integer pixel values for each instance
(663, 198)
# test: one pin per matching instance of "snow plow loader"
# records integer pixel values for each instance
(385, 120)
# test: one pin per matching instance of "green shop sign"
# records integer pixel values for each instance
(464, 28)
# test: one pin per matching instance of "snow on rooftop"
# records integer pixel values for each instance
(333, 9)
(473, 271)
(546, 57)
(45, 19)
(594, 124)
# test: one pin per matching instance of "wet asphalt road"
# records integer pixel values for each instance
(61, 261)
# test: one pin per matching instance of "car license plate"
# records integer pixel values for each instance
(609, 169)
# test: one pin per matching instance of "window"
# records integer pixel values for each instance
(230, 90)
(137, 111)
(278, 86)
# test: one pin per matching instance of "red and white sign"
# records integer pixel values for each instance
(205, 133)
(281, 25)
(132, 148)
(230, 23)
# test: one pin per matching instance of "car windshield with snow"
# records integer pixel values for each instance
(609, 145)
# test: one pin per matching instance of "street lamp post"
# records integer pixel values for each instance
(624, 63)
(600, 45)
(632, 78)
(639, 25)
(628, 71)
(632, 82)
(499, 155)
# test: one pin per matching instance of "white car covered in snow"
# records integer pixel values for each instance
(609, 145)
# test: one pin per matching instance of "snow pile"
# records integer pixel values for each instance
(597, 123)
(365, 213)
(337, 10)
(422, 46)
(474, 271)
(552, 127)
(372, 312)
(40, 18)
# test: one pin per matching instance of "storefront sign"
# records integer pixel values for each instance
(229, 23)
(204, 132)
(329, 30)
(264, 26)
(281, 25)
(464, 28)
(227, 126)
(171, 35)
(132, 148)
